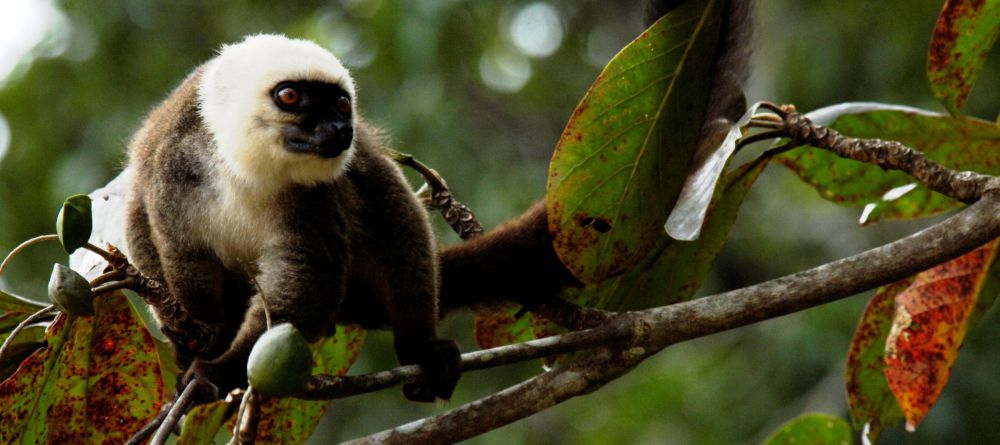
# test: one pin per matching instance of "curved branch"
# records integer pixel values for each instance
(965, 186)
(967, 230)
(519, 401)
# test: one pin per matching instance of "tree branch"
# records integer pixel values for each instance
(965, 186)
(967, 230)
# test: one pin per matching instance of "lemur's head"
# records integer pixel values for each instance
(280, 109)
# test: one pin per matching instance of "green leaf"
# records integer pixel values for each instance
(966, 30)
(626, 150)
(13, 303)
(507, 325)
(673, 271)
(97, 381)
(868, 394)
(812, 429)
(960, 143)
(74, 224)
(27, 342)
(203, 423)
(988, 294)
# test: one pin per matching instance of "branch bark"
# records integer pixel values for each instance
(661, 327)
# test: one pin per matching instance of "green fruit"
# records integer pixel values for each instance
(280, 363)
(74, 224)
(70, 291)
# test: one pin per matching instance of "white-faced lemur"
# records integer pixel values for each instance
(257, 183)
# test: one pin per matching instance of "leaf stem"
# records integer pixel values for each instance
(26, 244)
(23, 324)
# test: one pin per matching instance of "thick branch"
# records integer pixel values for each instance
(972, 227)
(519, 401)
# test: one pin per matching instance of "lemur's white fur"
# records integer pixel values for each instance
(236, 105)
(235, 102)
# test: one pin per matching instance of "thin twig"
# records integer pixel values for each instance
(127, 283)
(113, 275)
(456, 214)
(24, 245)
(147, 430)
(327, 387)
(24, 324)
(757, 137)
(772, 152)
(245, 429)
(179, 408)
(781, 110)
(115, 259)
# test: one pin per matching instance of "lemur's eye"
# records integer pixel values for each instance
(287, 95)
(344, 104)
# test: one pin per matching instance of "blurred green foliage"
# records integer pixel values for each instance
(73, 102)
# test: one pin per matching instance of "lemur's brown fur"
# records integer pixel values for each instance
(355, 248)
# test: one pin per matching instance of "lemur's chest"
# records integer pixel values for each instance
(239, 227)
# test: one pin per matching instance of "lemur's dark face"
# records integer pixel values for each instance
(321, 117)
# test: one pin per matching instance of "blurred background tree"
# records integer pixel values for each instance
(481, 91)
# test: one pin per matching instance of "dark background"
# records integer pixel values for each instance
(451, 84)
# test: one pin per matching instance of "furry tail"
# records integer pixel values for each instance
(514, 262)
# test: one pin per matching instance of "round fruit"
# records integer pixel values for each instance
(280, 363)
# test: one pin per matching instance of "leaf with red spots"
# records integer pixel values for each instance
(203, 423)
(292, 421)
(508, 325)
(928, 328)
(965, 32)
(960, 143)
(97, 381)
(623, 157)
(26, 343)
(812, 429)
(675, 270)
(873, 406)
(287, 420)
